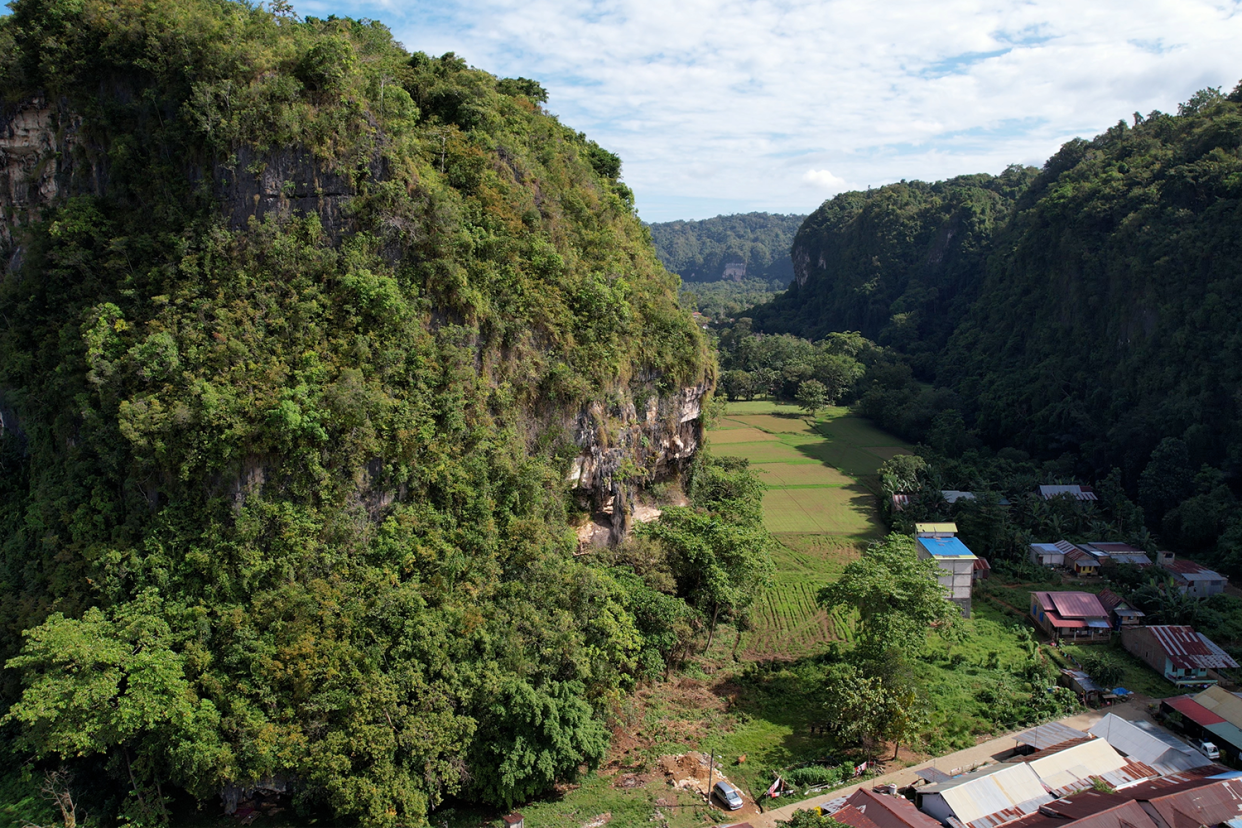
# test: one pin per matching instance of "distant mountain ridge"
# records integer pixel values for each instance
(744, 245)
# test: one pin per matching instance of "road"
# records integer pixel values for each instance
(984, 753)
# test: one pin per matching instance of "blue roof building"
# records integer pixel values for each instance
(957, 563)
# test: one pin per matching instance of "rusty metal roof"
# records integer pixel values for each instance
(849, 815)
(1191, 570)
(1188, 649)
(1208, 805)
(889, 811)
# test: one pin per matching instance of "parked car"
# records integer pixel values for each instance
(1207, 749)
(728, 795)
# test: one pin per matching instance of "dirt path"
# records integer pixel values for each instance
(985, 753)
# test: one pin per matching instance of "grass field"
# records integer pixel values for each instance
(816, 471)
(818, 504)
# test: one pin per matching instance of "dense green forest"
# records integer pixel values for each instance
(727, 298)
(1083, 315)
(698, 251)
(304, 340)
(900, 264)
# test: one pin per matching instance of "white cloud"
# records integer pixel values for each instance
(825, 180)
(733, 100)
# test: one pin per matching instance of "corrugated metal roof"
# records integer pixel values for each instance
(1082, 558)
(1065, 546)
(932, 775)
(945, 548)
(1194, 711)
(1045, 601)
(981, 795)
(1191, 571)
(851, 816)
(1047, 735)
(1093, 757)
(1186, 648)
(1227, 733)
(935, 528)
(1076, 492)
(1222, 703)
(1146, 743)
(1208, 805)
(1077, 605)
(1109, 547)
(1133, 558)
(890, 811)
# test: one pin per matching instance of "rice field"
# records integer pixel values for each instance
(818, 505)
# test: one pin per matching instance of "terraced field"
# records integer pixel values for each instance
(820, 478)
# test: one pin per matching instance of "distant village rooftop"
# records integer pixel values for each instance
(1076, 492)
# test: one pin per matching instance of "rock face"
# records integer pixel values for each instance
(623, 450)
(35, 148)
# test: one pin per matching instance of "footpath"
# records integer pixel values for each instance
(984, 753)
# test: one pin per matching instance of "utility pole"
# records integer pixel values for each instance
(711, 768)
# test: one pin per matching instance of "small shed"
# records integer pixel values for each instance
(1082, 563)
(1082, 685)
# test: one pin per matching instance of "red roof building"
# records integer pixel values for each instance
(1077, 617)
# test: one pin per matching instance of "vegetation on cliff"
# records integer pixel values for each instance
(294, 368)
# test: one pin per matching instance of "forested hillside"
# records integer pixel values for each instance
(314, 353)
(900, 264)
(699, 250)
(1085, 313)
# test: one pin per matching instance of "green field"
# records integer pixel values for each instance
(816, 471)
(818, 504)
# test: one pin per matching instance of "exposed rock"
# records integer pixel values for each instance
(624, 451)
(36, 142)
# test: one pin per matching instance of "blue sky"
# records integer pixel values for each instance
(719, 106)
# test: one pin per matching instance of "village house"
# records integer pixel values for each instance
(986, 798)
(937, 541)
(1178, 653)
(1120, 614)
(867, 809)
(1119, 553)
(1050, 554)
(1082, 563)
(1074, 617)
(1192, 579)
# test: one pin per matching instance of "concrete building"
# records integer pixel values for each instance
(956, 562)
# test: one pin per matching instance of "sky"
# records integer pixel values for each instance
(727, 106)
